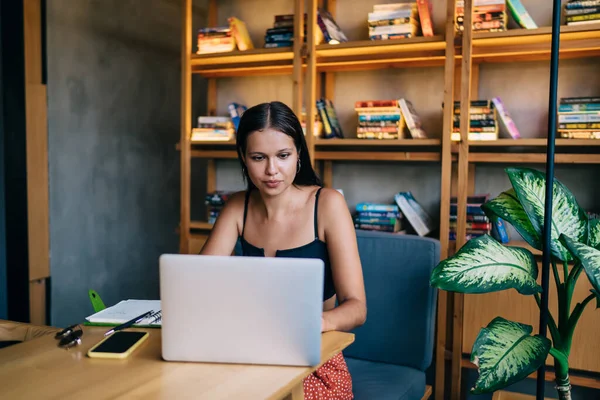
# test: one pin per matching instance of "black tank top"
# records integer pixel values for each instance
(315, 249)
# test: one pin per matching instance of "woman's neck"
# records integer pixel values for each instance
(278, 207)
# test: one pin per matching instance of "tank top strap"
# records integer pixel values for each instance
(316, 212)
(245, 211)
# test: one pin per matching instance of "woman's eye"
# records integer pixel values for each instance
(284, 155)
(257, 158)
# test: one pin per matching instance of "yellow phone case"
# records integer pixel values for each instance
(126, 354)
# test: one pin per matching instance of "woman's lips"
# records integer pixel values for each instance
(272, 184)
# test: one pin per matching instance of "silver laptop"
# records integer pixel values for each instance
(251, 310)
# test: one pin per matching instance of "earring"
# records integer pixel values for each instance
(298, 169)
(244, 171)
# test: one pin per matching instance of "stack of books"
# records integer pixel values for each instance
(379, 119)
(378, 217)
(213, 128)
(478, 223)
(393, 21)
(482, 121)
(488, 15)
(215, 40)
(282, 32)
(579, 117)
(581, 12)
(215, 201)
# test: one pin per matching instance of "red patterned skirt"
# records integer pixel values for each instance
(331, 381)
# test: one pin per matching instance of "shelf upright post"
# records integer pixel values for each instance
(298, 50)
(211, 105)
(311, 72)
(446, 177)
(186, 125)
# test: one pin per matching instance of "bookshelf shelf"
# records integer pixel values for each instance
(243, 63)
(200, 225)
(375, 54)
(534, 44)
(376, 156)
(342, 143)
(536, 142)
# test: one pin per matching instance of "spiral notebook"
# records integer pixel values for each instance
(126, 310)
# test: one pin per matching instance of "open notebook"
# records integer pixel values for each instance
(126, 310)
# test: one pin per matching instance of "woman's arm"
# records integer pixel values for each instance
(225, 232)
(346, 268)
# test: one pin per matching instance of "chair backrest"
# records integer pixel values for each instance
(401, 304)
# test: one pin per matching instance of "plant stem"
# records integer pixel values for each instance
(577, 311)
(561, 365)
(555, 272)
(554, 332)
(566, 270)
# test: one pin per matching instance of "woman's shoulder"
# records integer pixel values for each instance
(332, 201)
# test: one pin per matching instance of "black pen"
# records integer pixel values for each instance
(129, 323)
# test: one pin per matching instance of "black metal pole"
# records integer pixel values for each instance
(541, 377)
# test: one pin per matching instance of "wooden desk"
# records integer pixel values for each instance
(39, 369)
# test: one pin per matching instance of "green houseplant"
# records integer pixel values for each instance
(506, 352)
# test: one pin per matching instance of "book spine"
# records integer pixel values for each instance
(505, 118)
(582, 4)
(520, 14)
(585, 17)
(424, 7)
(376, 207)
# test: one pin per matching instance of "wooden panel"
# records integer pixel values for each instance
(37, 302)
(481, 309)
(37, 181)
(33, 41)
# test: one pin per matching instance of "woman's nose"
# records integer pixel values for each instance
(271, 167)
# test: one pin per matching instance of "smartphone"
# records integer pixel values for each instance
(118, 345)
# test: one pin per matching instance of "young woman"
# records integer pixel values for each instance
(285, 212)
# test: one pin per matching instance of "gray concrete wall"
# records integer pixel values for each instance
(114, 101)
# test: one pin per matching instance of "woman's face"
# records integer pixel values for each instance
(271, 160)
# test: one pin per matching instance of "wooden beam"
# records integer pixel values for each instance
(186, 125)
(446, 168)
(36, 132)
(311, 72)
(297, 88)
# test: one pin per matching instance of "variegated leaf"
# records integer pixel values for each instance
(567, 216)
(483, 265)
(594, 233)
(589, 257)
(508, 207)
(505, 353)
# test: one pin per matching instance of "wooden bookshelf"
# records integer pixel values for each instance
(313, 68)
